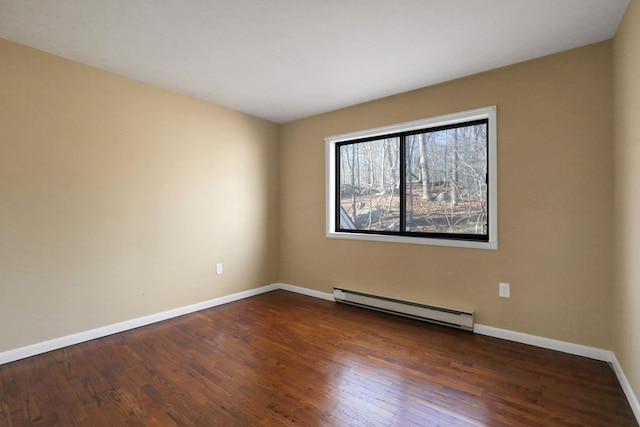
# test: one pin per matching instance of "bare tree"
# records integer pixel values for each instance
(409, 179)
(353, 183)
(454, 178)
(424, 168)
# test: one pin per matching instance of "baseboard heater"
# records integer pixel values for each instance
(427, 313)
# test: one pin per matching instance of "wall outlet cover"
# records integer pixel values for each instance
(504, 290)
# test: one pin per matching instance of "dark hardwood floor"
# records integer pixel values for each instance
(286, 359)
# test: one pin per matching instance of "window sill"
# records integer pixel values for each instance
(414, 240)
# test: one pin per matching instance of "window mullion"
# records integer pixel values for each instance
(337, 188)
(403, 183)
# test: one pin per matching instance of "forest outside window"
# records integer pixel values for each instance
(431, 181)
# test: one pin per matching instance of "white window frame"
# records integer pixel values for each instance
(448, 119)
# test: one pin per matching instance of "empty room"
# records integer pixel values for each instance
(319, 213)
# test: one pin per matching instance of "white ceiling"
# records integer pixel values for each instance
(287, 59)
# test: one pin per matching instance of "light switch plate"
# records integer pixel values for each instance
(504, 290)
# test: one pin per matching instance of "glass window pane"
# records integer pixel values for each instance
(446, 188)
(369, 185)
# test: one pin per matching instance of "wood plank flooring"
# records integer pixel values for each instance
(283, 359)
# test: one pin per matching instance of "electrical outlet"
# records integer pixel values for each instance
(504, 290)
(219, 268)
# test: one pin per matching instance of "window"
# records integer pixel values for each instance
(430, 181)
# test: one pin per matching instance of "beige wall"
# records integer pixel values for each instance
(555, 185)
(626, 326)
(117, 198)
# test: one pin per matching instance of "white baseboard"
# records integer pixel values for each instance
(628, 391)
(306, 291)
(57, 343)
(565, 347)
